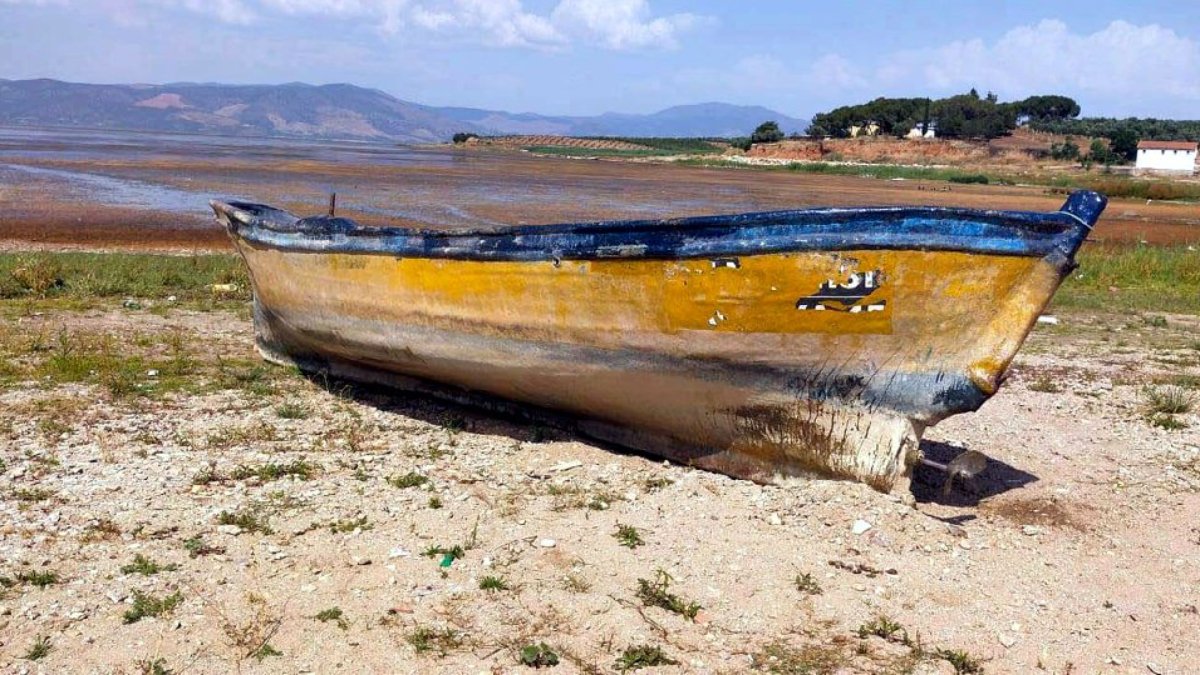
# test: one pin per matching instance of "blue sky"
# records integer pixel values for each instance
(592, 56)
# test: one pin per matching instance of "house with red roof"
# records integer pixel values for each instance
(1166, 156)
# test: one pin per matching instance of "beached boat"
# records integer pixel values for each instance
(760, 345)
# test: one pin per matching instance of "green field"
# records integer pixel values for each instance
(1109, 184)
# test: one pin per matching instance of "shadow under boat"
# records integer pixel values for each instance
(523, 423)
(928, 483)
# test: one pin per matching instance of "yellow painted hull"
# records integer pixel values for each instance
(719, 363)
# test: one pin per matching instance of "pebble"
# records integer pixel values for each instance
(1031, 530)
(547, 543)
(398, 552)
(860, 526)
(1007, 640)
(229, 529)
(358, 560)
(775, 519)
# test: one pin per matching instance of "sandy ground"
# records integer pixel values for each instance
(1077, 551)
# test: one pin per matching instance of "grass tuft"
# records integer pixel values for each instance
(425, 639)
(805, 583)
(656, 594)
(643, 656)
(490, 583)
(145, 605)
(333, 614)
(146, 567)
(1168, 400)
(40, 648)
(250, 520)
(628, 536)
(408, 480)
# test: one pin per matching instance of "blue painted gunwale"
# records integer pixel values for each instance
(1021, 233)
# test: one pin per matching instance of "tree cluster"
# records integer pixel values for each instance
(961, 116)
(1122, 134)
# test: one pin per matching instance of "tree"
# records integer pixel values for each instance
(462, 137)
(1065, 150)
(1123, 143)
(1099, 152)
(767, 132)
(1048, 108)
(968, 116)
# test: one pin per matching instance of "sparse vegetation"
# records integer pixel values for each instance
(152, 667)
(145, 566)
(40, 648)
(628, 536)
(963, 662)
(345, 526)
(783, 659)
(333, 614)
(1045, 384)
(197, 547)
(425, 639)
(292, 411)
(492, 583)
(806, 584)
(93, 276)
(656, 594)
(408, 480)
(39, 578)
(1168, 400)
(1133, 279)
(145, 605)
(643, 656)
(886, 628)
(538, 655)
(249, 519)
(454, 552)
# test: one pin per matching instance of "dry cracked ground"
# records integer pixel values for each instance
(170, 504)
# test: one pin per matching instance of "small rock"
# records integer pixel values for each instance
(1031, 530)
(775, 519)
(398, 552)
(860, 526)
(1047, 319)
(152, 373)
(233, 530)
(1007, 640)
(358, 560)
(547, 543)
(307, 588)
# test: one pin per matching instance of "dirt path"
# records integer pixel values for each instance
(1077, 551)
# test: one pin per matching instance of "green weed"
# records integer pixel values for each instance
(145, 566)
(643, 656)
(656, 594)
(629, 536)
(145, 605)
(490, 583)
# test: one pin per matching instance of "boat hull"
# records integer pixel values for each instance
(760, 364)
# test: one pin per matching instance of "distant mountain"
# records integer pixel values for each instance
(334, 111)
(701, 119)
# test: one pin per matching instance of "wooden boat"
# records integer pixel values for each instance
(760, 345)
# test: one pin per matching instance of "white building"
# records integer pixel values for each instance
(1167, 156)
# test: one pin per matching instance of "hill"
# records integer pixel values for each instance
(334, 111)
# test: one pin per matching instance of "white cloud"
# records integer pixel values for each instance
(623, 24)
(833, 70)
(613, 24)
(1120, 59)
